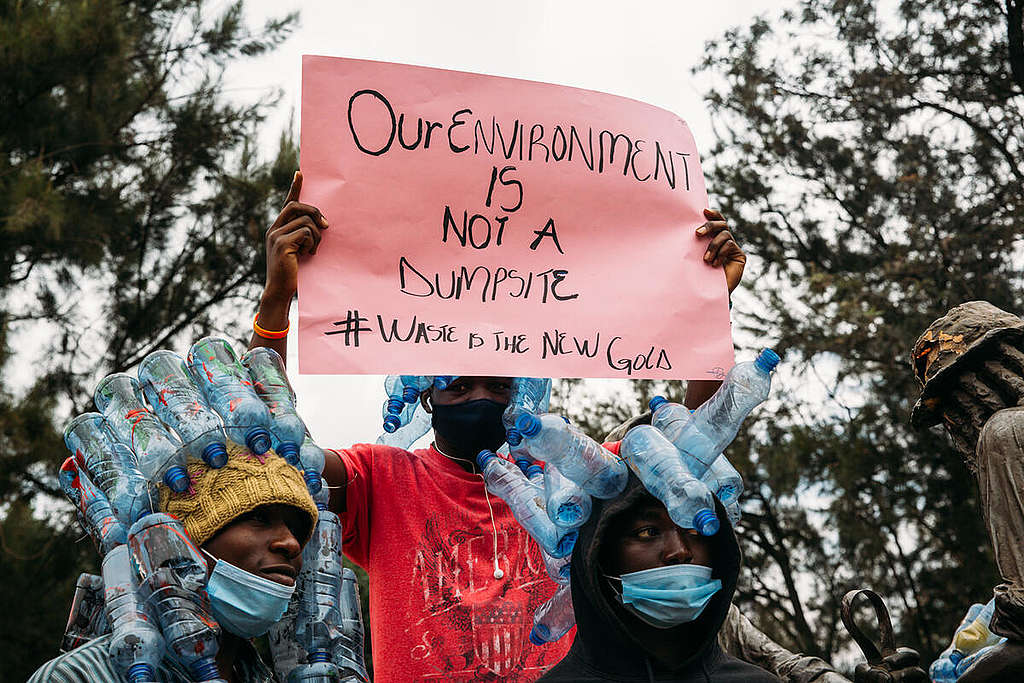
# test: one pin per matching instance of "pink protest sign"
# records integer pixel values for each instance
(494, 226)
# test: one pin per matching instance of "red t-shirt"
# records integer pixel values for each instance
(419, 524)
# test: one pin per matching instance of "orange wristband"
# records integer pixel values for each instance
(269, 334)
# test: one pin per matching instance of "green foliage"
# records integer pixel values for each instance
(133, 207)
(871, 161)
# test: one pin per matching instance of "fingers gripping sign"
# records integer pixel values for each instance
(297, 231)
(722, 250)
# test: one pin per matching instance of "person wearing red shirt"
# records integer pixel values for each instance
(454, 579)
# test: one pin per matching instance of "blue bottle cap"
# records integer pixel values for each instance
(955, 656)
(204, 669)
(533, 470)
(706, 522)
(391, 424)
(528, 425)
(395, 406)
(317, 656)
(656, 402)
(177, 479)
(141, 673)
(566, 542)
(513, 437)
(539, 634)
(410, 394)
(524, 464)
(215, 455)
(569, 513)
(289, 450)
(312, 479)
(442, 381)
(767, 360)
(258, 440)
(484, 457)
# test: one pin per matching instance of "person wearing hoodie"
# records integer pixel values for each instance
(650, 597)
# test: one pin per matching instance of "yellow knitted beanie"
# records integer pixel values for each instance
(246, 482)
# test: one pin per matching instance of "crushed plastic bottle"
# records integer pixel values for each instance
(505, 480)
(136, 645)
(530, 395)
(159, 454)
(112, 466)
(414, 385)
(568, 505)
(95, 513)
(658, 465)
(228, 390)
(311, 463)
(171, 575)
(394, 420)
(715, 423)
(558, 568)
(975, 635)
(270, 380)
(318, 621)
(177, 401)
(723, 480)
(592, 466)
(554, 618)
(943, 669)
(86, 620)
(347, 648)
(406, 435)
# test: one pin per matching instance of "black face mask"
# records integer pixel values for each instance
(470, 427)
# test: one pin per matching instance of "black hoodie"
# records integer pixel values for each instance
(613, 645)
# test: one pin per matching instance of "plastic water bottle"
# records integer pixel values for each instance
(442, 381)
(270, 380)
(944, 669)
(568, 505)
(395, 420)
(94, 509)
(715, 423)
(592, 466)
(723, 480)
(395, 403)
(558, 568)
(968, 661)
(406, 435)
(171, 575)
(136, 644)
(506, 481)
(657, 463)
(311, 463)
(554, 618)
(86, 620)
(347, 648)
(159, 454)
(414, 385)
(319, 619)
(733, 512)
(668, 417)
(529, 395)
(975, 635)
(228, 390)
(112, 466)
(176, 400)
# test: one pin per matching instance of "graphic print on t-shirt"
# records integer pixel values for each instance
(474, 627)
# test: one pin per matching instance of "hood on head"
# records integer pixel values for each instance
(614, 640)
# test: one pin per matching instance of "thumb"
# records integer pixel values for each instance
(295, 189)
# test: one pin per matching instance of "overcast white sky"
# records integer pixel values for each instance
(639, 49)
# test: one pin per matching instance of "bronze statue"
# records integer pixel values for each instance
(970, 363)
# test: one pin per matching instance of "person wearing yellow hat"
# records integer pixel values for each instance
(251, 519)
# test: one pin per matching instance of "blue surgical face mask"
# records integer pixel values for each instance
(668, 596)
(243, 603)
